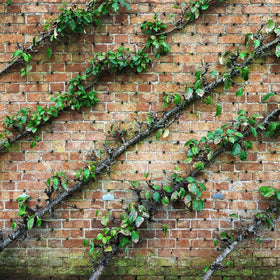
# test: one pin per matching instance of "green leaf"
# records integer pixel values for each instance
(248, 144)
(257, 43)
(234, 216)
(182, 193)
(227, 81)
(14, 225)
(189, 92)
(22, 72)
(196, 13)
(239, 134)
(124, 4)
(174, 196)
(34, 41)
(30, 223)
(104, 220)
(85, 242)
(198, 75)
(202, 186)
(267, 191)
(187, 200)
(165, 133)
(108, 249)
(243, 155)
(49, 52)
(115, 6)
(248, 37)
(156, 187)
(164, 230)
(86, 175)
(91, 251)
(188, 160)
(199, 165)
(139, 220)
(215, 242)
(177, 98)
(25, 57)
(167, 189)
(208, 100)
(204, 7)
(149, 120)
(190, 180)
(223, 235)
(272, 126)
(132, 216)
(197, 204)
(240, 92)
(214, 73)
(38, 222)
(254, 132)
(177, 168)
(104, 240)
(33, 144)
(135, 184)
(135, 236)
(270, 26)
(236, 149)
(156, 196)
(277, 31)
(243, 55)
(55, 182)
(99, 236)
(146, 175)
(267, 96)
(9, 2)
(147, 195)
(165, 200)
(245, 73)
(218, 109)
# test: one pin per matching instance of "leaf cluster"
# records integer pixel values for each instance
(75, 20)
(29, 220)
(120, 236)
(26, 120)
(119, 60)
(227, 137)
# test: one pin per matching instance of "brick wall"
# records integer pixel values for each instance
(55, 249)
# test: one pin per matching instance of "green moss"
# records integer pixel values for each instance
(73, 265)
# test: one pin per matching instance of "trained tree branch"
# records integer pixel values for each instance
(43, 37)
(139, 58)
(159, 123)
(256, 225)
(109, 161)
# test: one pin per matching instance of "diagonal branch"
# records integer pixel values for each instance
(253, 228)
(109, 161)
(159, 123)
(43, 37)
(7, 141)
